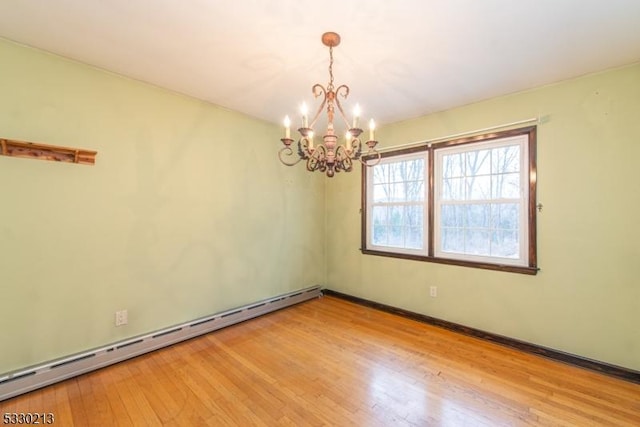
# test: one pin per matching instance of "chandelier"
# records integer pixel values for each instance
(328, 156)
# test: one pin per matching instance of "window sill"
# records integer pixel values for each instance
(486, 266)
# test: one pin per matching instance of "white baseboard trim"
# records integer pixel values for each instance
(34, 377)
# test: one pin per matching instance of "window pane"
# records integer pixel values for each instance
(414, 190)
(415, 238)
(396, 215)
(505, 216)
(397, 171)
(453, 189)
(505, 159)
(477, 242)
(505, 244)
(452, 166)
(396, 236)
(415, 215)
(478, 188)
(410, 170)
(381, 173)
(478, 162)
(506, 186)
(453, 240)
(381, 193)
(416, 170)
(379, 214)
(478, 216)
(397, 192)
(380, 235)
(452, 216)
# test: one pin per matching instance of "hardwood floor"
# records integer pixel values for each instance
(331, 362)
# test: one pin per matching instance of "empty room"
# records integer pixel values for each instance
(368, 213)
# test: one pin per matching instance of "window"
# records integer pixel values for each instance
(468, 202)
(397, 209)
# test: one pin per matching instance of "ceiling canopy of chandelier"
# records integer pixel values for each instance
(328, 156)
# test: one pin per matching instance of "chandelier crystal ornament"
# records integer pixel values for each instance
(328, 156)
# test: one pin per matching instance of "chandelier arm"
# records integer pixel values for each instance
(343, 160)
(348, 165)
(356, 148)
(289, 152)
(345, 89)
(367, 163)
(304, 151)
(317, 159)
(318, 90)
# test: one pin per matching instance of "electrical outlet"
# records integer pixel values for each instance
(122, 317)
(433, 291)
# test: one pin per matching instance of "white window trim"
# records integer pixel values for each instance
(523, 236)
(369, 215)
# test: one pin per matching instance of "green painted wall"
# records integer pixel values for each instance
(586, 298)
(187, 211)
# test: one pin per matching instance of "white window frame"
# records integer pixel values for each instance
(523, 201)
(370, 205)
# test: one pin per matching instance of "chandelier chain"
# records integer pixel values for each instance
(330, 87)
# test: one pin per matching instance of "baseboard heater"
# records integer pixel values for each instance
(34, 377)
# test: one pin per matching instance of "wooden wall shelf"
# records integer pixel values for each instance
(33, 150)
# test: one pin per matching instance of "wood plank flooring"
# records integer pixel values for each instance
(329, 362)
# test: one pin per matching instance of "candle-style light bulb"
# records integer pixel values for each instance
(287, 127)
(347, 137)
(356, 115)
(372, 128)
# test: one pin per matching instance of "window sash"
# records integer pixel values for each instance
(475, 240)
(398, 233)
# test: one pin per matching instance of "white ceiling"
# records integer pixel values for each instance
(401, 58)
